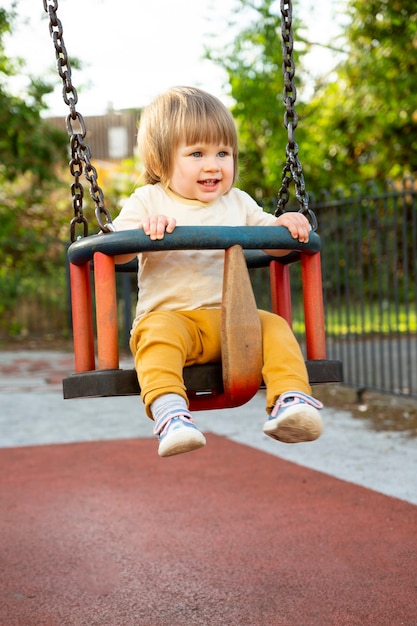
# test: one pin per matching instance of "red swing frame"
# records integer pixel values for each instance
(108, 379)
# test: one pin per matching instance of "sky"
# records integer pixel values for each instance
(134, 49)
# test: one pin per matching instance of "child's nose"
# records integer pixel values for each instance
(212, 164)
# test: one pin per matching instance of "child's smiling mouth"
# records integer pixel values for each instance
(209, 182)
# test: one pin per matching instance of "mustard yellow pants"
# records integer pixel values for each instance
(163, 342)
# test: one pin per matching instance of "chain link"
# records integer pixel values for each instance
(80, 152)
(292, 170)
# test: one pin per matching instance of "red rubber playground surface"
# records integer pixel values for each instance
(108, 533)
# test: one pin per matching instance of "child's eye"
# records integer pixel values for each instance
(223, 153)
(196, 154)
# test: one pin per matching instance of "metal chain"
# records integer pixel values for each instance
(80, 152)
(292, 170)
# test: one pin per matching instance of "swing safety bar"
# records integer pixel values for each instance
(191, 238)
(207, 387)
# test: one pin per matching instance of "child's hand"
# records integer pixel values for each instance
(297, 224)
(157, 225)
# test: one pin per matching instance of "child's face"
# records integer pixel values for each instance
(202, 171)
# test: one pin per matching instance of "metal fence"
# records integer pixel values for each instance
(369, 257)
(369, 260)
(34, 301)
(369, 266)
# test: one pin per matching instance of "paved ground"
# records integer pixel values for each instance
(32, 412)
(97, 530)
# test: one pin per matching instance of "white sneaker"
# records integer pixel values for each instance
(294, 418)
(177, 433)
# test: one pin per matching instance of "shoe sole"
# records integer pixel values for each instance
(297, 425)
(176, 443)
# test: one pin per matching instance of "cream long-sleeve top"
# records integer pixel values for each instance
(184, 280)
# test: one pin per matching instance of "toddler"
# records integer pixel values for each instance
(188, 145)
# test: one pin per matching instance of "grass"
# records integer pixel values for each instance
(370, 321)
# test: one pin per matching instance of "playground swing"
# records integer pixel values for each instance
(237, 378)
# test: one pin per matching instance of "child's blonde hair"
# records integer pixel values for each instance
(182, 114)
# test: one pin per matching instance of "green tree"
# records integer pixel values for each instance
(27, 142)
(360, 124)
(253, 62)
(366, 120)
(32, 153)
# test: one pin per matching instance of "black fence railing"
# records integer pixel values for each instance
(369, 261)
(34, 300)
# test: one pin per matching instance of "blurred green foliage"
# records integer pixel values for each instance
(361, 122)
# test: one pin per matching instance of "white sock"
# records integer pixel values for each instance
(167, 402)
